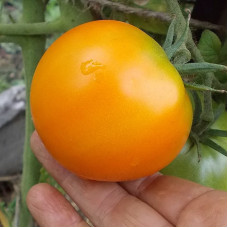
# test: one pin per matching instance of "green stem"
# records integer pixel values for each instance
(28, 29)
(33, 49)
(197, 108)
(195, 139)
(71, 16)
(208, 114)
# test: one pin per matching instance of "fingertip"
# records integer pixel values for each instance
(49, 207)
(36, 193)
(37, 197)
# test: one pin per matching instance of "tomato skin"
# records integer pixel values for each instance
(108, 104)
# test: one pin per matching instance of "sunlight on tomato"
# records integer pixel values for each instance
(108, 104)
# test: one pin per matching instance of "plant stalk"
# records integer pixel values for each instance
(27, 29)
(32, 49)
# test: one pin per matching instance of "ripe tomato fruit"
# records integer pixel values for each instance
(108, 104)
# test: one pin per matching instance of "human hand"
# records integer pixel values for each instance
(153, 201)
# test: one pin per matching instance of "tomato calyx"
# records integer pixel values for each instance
(203, 136)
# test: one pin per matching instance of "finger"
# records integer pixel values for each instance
(208, 210)
(50, 208)
(105, 204)
(168, 195)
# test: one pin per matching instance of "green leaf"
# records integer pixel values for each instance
(181, 41)
(223, 54)
(222, 76)
(170, 35)
(214, 146)
(195, 86)
(196, 68)
(210, 46)
(216, 132)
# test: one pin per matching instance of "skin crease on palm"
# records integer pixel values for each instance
(152, 201)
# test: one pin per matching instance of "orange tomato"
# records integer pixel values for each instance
(108, 104)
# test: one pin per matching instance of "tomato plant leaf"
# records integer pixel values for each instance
(210, 46)
(195, 86)
(174, 48)
(214, 146)
(223, 54)
(215, 132)
(170, 35)
(194, 68)
(222, 76)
